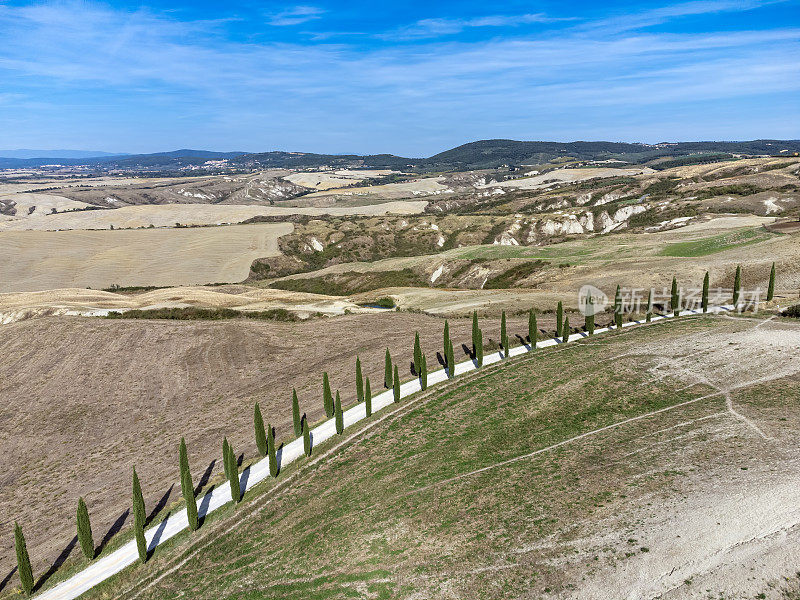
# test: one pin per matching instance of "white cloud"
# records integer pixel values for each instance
(663, 14)
(431, 28)
(296, 16)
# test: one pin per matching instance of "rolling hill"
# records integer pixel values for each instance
(481, 154)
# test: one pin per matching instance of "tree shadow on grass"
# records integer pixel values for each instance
(57, 564)
(7, 578)
(202, 509)
(206, 476)
(160, 506)
(279, 457)
(243, 481)
(114, 530)
(151, 547)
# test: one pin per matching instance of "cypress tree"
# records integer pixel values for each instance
(475, 330)
(503, 332)
(187, 487)
(771, 287)
(85, 530)
(306, 436)
(618, 308)
(559, 317)
(359, 381)
(446, 339)
(368, 398)
(396, 385)
(226, 464)
(589, 320)
(675, 301)
(423, 375)
(565, 331)
(296, 414)
(261, 436)
(704, 300)
(23, 560)
(339, 415)
(327, 397)
(649, 316)
(233, 475)
(387, 370)
(417, 354)
(479, 356)
(273, 457)
(737, 285)
(139, 518)
(533, 330)
(451, 360)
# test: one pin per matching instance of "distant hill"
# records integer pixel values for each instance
(305, 160)
(486, 154)
(172, 159)
(483, 154)
(493, 153)
(25, 154)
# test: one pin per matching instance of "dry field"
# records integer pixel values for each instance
(26, 181)
(325, 180)
(426, 186)
(568, 176)
(25, 305)
(168, 215)
(84, 400)
(28, 205)
(68, 259)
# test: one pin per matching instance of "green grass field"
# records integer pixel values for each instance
(717, 243)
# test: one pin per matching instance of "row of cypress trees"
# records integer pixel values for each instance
(265, 442)
(265, 437)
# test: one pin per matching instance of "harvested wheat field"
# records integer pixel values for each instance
(105, 395)
(76, 301)
(41, 260)
(170, 215)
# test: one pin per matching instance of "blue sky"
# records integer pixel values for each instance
(409, 78)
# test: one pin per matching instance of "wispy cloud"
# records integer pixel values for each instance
(431, 28)
(663, 14)
(296, 16)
